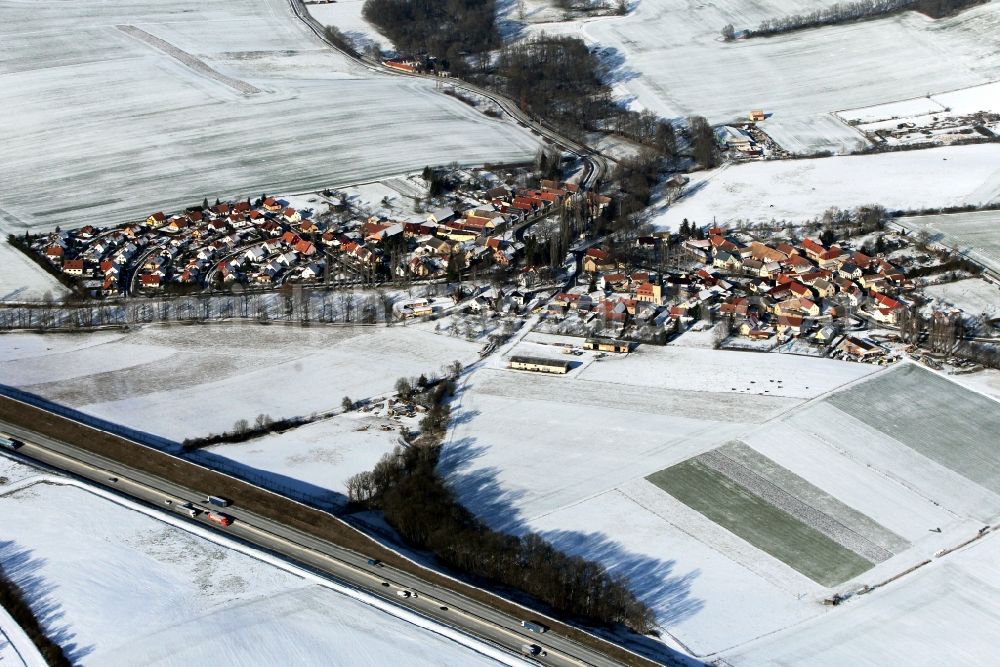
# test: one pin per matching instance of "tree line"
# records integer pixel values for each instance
(849, 12)
(443, 30)
(416, 501)
(13, 599)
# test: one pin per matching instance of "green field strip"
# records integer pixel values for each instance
(953, 426)
(766, 527)
(814, 496)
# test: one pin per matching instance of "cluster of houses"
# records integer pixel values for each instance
(269, 242)
(763, 291)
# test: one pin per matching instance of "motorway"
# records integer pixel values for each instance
(347, 567)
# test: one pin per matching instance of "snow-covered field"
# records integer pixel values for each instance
(945, 613)
(23, 280)
(186, 381)
(346, 16)
(800, 190)
(322, 455)
(568, 455)
(117, 586)
(976, 233)
(101, 126)
(952, 103)
(669, 57)
(975, 296)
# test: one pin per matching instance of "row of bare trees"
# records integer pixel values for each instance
(288, 305)
(847, 12)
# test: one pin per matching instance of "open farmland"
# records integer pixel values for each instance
(670, 58)
(116, 586)
(946, 613)
(732, 529)
(934, 416)
(724, 486)
(801, 190)
(185, 381)
(103, 123)
(976, 233)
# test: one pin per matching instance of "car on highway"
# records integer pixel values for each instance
(374, 562)
(8, 442)
(403, 593)
(531, 649)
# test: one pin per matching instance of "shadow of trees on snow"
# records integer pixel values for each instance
(25, 570)
(657, 582)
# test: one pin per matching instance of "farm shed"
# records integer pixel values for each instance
(539, 365)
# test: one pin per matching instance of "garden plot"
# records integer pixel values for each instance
(976, 233)
(131, 129)
(668, 56)
(974, 296)
(116, 586)
(935, 417)
(205, 377)
(945, 613)
(801, 190)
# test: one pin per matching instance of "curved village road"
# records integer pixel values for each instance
(348, 567)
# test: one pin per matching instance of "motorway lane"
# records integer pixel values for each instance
(350, 568)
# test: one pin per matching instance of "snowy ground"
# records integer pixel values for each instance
(183, 381)
(187, 596)
(322, 455)
(976, 233)
(975, 296)
(668, 56)
(130, 128)
(959, 102)
(800, 190)
(945, 613)
(568, 455)
(346, 16)
(23, 280)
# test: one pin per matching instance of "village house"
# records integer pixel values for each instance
(595, 260)
(649, 293)
(73, 267)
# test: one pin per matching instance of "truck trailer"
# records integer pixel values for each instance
(8, 442)
(218, 501)
(534, 626)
